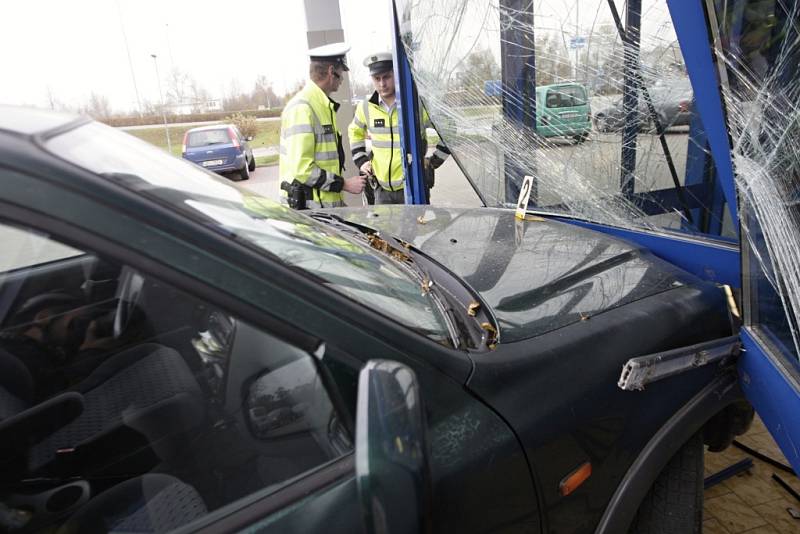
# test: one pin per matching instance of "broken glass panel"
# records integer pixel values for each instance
(592, 98)
(759, 53)
(593, 102)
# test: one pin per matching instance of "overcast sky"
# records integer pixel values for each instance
(70, 49)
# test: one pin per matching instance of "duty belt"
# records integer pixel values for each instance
(298, 194)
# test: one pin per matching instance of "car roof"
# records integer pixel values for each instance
(555, 85)
(31, 121)
(212, 127)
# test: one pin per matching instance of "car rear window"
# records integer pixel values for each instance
(566, 97)
(208, 137)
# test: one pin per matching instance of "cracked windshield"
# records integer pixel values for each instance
(600, 117)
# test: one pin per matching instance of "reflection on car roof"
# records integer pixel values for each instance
(30, 121)
(210, 127)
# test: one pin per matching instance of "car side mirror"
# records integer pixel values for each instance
(391, 450)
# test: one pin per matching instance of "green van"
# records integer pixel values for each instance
(562, 110)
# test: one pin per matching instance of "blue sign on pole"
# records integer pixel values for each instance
(577, 42)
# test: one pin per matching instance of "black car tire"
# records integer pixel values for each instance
(252, 165)
(674, 503)
(244, 172)
(600, 123)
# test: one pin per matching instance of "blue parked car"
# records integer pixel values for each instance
(220, 148)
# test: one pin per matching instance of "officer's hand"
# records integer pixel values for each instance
(366, 168)
(354, 184)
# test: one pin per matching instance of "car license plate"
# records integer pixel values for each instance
(569, 115)
(212, 162)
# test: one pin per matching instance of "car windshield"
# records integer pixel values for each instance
(208, 137)
(345, 265)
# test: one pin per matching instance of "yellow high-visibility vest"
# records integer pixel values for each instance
(310, 149)
(382, 126)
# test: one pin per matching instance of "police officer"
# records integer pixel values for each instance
(311, 153)
(377, 117)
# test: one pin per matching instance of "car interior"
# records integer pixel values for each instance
(129, 405)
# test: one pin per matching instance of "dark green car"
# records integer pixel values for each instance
(180, 353)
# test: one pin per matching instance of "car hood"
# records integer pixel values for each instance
(537, 276)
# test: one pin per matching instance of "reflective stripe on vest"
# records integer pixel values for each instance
(297, 162)
(386, 151)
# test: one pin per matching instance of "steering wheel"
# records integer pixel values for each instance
(129, 293)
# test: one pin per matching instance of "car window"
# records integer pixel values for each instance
(121, 397)
(26, 249)
(207, 137)
(566, 97)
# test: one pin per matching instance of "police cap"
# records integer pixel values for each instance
(330, 53)
(378, 62)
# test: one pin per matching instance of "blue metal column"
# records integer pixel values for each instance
(408, 108)
(700, 170)
(518, 54)
(689, 20)
(630, 96)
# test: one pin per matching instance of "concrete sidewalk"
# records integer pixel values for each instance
(266, 151)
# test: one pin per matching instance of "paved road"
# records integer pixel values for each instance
(451, 189)
(583, 172)
(264, 181)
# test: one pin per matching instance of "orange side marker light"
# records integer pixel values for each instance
(572, 481)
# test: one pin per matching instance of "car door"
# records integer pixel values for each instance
(260, 392)
(161, 397)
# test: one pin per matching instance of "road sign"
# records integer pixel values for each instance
(577, 42)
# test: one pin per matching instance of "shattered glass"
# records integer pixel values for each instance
(759, 47)
(593, 99)
(566, 127)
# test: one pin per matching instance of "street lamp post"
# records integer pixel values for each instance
(161, 96)
(577, 37)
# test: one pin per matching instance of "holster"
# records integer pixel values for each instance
(297, 194)
(372, 181)
(430, 177)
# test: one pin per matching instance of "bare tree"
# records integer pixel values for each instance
(293, 91)
(200, 97)
(179, 86)
(552, 62)
(475, 69)
(362, 89)
(263, 94)
(97, 107)
(51, 98)
(150, 108)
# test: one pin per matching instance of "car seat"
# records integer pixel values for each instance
(149, 503)
(135, 405)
